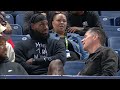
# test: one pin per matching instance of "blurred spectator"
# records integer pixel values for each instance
(102, 61)
(7, 67)
(8, 31)
(14, 13)
(50, 15)
(80, 21)
(10, 50)
(40, 54)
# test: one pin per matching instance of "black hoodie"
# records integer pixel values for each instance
(50, 49)
(11, 68)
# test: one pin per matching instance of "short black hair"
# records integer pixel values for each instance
(101, 34)
(56, 13)
(37, 17)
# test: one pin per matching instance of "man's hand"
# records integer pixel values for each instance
(29, 61)
(74, 29)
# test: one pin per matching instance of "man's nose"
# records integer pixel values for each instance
(82, 40)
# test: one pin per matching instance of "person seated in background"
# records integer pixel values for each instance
(74, 49)
(102, 60)
(80, 21)
(50, 15)
(3, 28)
(40, 55)
(6, 66)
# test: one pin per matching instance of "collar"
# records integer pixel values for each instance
(99, 49)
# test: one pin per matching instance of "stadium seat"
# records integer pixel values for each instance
(73, 67)
(110, 13)
(17, 38)
(118, 73)
(112, 31)
(114, 42)
(20, 19)
(117, 21)
(105, 20)
(16, 29)
(9, 18)
(15, 13)
(8, 12)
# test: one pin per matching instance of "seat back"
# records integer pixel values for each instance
(105, 20)
(117, 21)
(73, 67)
(16, 29)
(112, 31)
(114, 42)
(9, 18)
(20, 19)
(17, 38)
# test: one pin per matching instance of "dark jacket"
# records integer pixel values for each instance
(104, 62)
(11, 68)
(27, 49)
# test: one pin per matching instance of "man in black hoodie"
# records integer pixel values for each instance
(41, 54)
(7, 67)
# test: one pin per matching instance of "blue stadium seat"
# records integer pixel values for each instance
(15, 13)
(9, 18)
(118, 73)
(112, 31)
(111, 28)
(110, 13)
(105, 20)
(17, 38)
(20, 19)
(114, 42)
(73, 67)
(16, 29)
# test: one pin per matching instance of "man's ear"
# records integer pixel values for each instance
(32, 26)
(95, 36)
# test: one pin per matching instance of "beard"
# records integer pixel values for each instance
(3, 57)
(39, 36)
